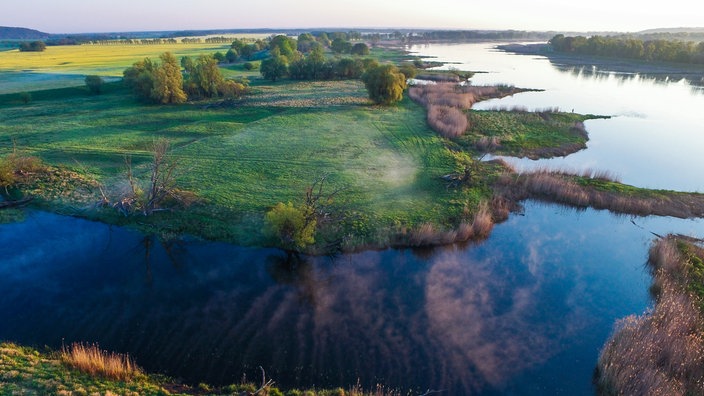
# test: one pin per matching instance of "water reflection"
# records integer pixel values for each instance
(653, 139)
(524, 312)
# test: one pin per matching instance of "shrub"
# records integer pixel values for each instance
(251, 65)
(295, 227)
(448, 121)
(94, 83)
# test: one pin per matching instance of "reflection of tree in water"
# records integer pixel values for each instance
(626, 74)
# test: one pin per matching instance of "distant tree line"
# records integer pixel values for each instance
(630, 47)
(460, 35)
(32, 46)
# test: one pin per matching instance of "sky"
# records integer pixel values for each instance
(77, 16)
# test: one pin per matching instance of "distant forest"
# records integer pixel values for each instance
(631, 47)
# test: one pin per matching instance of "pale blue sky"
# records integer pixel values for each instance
(70, 16)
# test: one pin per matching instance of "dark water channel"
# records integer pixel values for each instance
(523, 313)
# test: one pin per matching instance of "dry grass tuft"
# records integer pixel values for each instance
(94, 361)
(482, 223)
(661, 352)
(446, 102)
(449, 122)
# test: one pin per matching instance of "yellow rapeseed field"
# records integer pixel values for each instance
(104, 60)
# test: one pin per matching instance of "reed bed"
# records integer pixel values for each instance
(662, 351)
(445, 104)
(479, 228)
(90, 359)
(598, 190)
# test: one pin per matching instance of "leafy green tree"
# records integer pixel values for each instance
(248, 51)
(294, 227)
(140, 77)
(408, 70)
(168, 81)
(94, 84)
(231, 55)
(359, 49)
(287, 46)
(34, 46)
(385, 84)
(274, 68)
(154, 82)
(206, 78)
(340, 46)
(219, 56)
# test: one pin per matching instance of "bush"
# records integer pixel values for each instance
(251, 65)
(94, 84)
(385, 84)
(295, 227)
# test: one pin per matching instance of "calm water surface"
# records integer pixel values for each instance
(522, 313)
(655, 138)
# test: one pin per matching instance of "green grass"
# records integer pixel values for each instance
(26, 371)
(244, 159)
(528, 134)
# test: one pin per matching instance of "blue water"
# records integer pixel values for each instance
(524, 312)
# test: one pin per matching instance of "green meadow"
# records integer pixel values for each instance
(242, 158)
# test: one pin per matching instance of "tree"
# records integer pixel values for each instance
(340, 46)
(274, 68)
(140, 77)
(219, 56)
(168, 81)
(34, 46)
(248, 51)
(154, 82)
(385, 84)
(231, 55)
(287, 46)
(295, 227)
(206, 77)
(360, 49)
(94, 84)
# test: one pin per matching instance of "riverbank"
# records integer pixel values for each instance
(660, 71)
(662, 351)
(25, 370)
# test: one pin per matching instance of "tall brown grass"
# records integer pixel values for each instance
(428, 234)
(448, 121)
(94, 361)
(564, 188)
(446, 102)
(662, 351)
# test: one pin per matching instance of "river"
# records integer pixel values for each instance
(522, 313)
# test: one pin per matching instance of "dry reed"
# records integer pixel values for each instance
(428, 234)
(563, 188)
(661, 352)
(448, 121)
(94, 361)
(445, 103)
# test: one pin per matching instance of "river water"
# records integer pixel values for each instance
(655, 138)
(522, 313)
